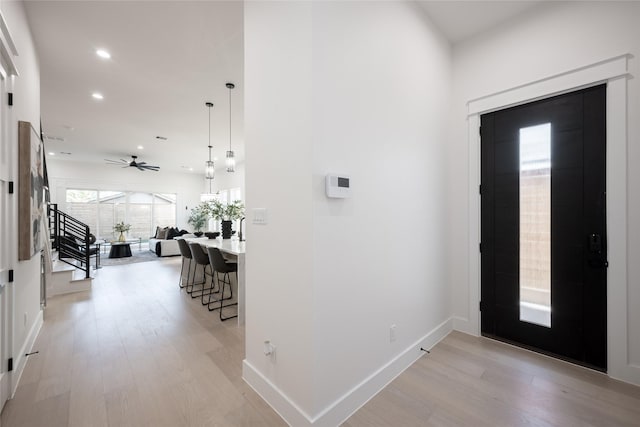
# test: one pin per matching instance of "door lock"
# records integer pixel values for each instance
(595, 244)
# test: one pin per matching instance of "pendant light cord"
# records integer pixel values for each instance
(229, 118)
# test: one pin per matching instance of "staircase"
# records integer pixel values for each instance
(73, 252)
(67, 279)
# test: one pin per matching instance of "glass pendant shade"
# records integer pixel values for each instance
(209, 171)
(231, 162)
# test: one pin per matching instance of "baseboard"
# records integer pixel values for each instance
(352, 400)
(19, 359)
(463, 325)
(270, 393)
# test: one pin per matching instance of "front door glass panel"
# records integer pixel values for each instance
(535, 224)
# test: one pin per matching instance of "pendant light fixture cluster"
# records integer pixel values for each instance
(231, 161)
(209, 171)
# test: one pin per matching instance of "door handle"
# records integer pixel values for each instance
(595, 247)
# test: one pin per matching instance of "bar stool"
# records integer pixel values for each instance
(186, 255)
(220, 265)
(200, 258)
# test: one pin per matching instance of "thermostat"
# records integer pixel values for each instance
(338, 186)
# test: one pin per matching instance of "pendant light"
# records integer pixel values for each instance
(231, 160)
(209, 171)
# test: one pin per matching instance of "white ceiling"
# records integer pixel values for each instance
(168, 59)
(459, 20)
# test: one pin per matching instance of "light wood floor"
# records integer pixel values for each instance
(136, 351)
(470, 381)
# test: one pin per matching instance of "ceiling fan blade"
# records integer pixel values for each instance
(117, 162)
(142, 163)
(140, 168)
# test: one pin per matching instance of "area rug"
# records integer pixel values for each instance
(137, 256)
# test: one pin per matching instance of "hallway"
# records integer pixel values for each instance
(135, 351)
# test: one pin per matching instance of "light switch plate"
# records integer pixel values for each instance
(260, 216)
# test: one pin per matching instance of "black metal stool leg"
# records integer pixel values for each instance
(227, 281)
(181, 281)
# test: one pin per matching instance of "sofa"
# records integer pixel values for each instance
(164, 242)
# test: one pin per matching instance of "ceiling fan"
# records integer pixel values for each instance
(134, 164)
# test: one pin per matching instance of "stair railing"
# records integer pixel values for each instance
(72, 240)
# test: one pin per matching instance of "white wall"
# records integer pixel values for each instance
(66, 174)
(555, 39)
(359, 88)
(278, 177)
(381, 80)
(26, 88)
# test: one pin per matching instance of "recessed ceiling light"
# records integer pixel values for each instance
(215, 159)
(97, 95)
(140, 147)
(51, 153)
(103, 54)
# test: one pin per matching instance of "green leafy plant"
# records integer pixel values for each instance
(199, 216)
(121, 227)
(220, 211)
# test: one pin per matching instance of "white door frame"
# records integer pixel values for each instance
(8, 208)
(6, 216)
(614, 73)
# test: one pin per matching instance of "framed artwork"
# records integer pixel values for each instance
(30, 191)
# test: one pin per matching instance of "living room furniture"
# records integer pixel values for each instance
(120, 250)
(201, 259)
(186, 255)
(167, 247)
(224, 267)
(107, 244)
(233, 249)
(69, 247)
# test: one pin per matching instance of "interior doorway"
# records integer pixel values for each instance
(543, 226)
(6, 209)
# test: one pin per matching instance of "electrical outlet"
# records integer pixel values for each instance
(392, 333)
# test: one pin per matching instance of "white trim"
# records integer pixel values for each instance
(7, 47)
(572, 80)
(614, 72)
(341, 409)
(20, 360)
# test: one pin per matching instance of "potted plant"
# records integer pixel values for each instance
(227, 214)
(198, 218)
(122, 228)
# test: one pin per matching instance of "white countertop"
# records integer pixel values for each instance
(231, 246)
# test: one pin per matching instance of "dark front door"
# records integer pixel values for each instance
(543, 226)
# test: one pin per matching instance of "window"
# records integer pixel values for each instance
(535, 224)
(102, 209)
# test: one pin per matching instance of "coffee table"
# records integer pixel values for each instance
(120, 250)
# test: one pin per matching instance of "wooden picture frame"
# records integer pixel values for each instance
(30, 191)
